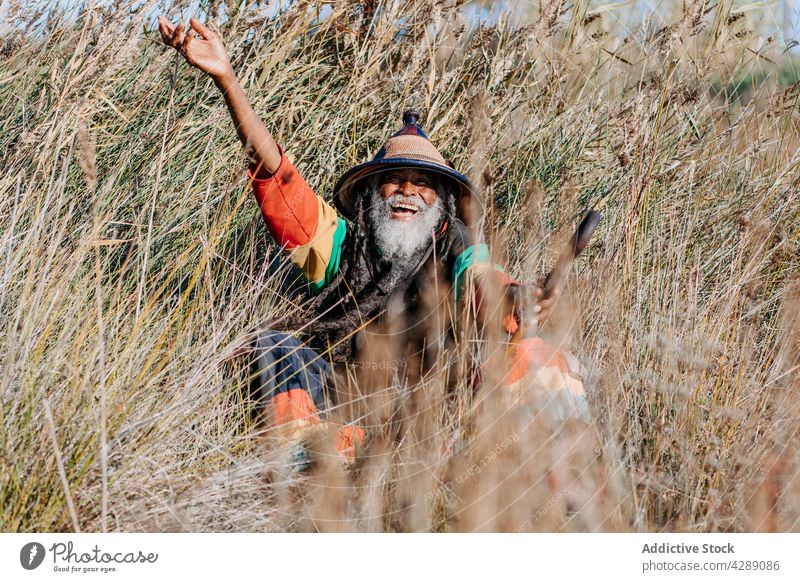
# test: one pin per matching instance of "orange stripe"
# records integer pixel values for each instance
(348, 439)
(535, 352)
(295, 404)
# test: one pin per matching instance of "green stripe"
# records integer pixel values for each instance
(475, 254)
(336, 257)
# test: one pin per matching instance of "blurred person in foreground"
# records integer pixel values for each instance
(395, 235)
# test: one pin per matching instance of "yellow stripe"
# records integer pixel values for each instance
(313, 258)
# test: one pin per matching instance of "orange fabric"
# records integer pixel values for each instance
(288, 204)
(534, 352)
(348, 438)
(293, 405)
(510, 323)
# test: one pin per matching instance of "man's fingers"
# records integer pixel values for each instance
(185, 44)
(545, 304)
(166, 38)
(204, 32)
(179, 36)
(541, 293)
(166, 28)
(170, 29)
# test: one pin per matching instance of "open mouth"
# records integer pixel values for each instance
(404, 210)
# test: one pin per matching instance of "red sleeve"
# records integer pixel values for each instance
(503, 280)
(288, 204)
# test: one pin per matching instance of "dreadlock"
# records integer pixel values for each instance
(362, 288)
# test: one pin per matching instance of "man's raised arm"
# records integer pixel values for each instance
(298, 220)
(203, 48)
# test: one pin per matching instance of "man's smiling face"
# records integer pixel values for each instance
(405, 209)
(407, 192)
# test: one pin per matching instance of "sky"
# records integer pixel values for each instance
(781, 17)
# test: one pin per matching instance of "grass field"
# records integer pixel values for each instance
(134, 263)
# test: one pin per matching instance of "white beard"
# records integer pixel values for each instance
(400, 241)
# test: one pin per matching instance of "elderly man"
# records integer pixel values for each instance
(396, 232)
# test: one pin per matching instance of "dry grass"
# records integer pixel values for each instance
(134, 264)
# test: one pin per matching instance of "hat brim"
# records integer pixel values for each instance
(346, 189)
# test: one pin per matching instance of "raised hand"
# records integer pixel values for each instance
(203, 48)
(200, 46)
(530, 308)
(546, 299)
(548, 292)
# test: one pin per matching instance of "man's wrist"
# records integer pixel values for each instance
(226, 80)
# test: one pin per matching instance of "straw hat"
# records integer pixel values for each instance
(408, 148)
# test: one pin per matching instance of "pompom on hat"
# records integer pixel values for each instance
(408, 148)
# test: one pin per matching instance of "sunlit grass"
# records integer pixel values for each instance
(134, 265)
